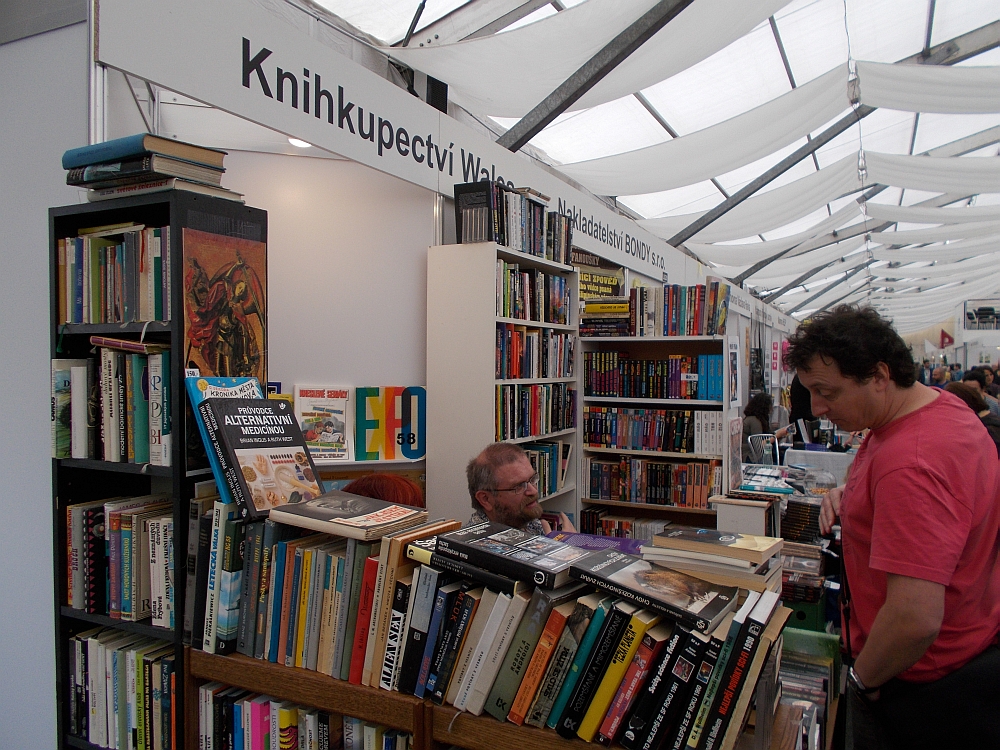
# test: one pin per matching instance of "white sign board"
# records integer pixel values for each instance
(252, 62)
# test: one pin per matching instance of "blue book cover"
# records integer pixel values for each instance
(278, 561)
(137, 145)
(433, 636)
(200, 388)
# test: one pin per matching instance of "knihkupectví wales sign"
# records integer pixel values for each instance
(253, 62)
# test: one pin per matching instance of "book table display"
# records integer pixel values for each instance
(135, 269)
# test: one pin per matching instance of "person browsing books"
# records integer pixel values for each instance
(503, 486)
(757, 421)
(920, 532)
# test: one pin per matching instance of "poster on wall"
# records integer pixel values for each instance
(324, 416)
(734, 368)
(225, 305)
(390, 423)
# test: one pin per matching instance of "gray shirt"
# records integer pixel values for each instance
(532, 527)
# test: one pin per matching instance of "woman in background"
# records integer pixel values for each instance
(757, 421)
(978, 404)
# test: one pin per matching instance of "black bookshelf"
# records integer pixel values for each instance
(82, 480)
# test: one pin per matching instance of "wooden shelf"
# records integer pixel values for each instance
(122, 468)
(93, 329)
(565, 490)
(534, 381)
(486, 733)
(653, 454)
(568, 328)
(312, 689)
(650, 506)
(650, 401)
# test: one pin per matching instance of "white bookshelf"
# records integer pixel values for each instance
(461, 364)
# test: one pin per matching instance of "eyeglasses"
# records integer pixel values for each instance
(521, 487)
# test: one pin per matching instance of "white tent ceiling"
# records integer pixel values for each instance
(728, 89)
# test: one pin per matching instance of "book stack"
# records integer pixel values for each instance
(800, 522)
(120, 558)
(743, 560)
(145, 163)
(803, 578)
(122, 689)
(114, 407)
(599, 521)
(530, 294)
(615, 374)
(551, 462)
(533, 410)
(513, 217)
(605, 316)
(666, 430)
(629, 479)
(230, 717)
(699, 310)
(114, 273)
(524, 352)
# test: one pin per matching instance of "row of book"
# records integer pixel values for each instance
(530, 294)
(231, 718)
(114, 274)
(120, 558)
(122, 690)
(115, 407)
(533, 353)
(668, 310)
(678, 376)
(723, 558)
(145, 163)
(524, 411)
(629, 479)
(550, 460)
(668, 430)
(513, 217)
(602, 522)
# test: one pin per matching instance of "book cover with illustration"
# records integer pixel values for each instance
(324, 416)
(262, 456)
(198, 389)
(225, 304)
(690, 600)
(750, 547)
(390, 423)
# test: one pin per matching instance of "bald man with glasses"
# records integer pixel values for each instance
(503, 486)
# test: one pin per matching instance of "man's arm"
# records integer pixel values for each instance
(904, 628)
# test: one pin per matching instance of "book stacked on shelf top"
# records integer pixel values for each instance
(744, 560)
(145, 163)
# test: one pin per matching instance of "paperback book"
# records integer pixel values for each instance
(689, 600)
(755, 549)
(261, 454)
(323, 413)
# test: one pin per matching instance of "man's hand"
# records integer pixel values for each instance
(829, 512)
(567, 525)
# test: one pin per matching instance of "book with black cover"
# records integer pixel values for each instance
(262, 456)
(512, 552)
(424, 551)
(690, 600)
(590, 676)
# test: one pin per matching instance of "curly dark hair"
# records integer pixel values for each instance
(976, 375)
(760, 406)
(856, 339)
(969, 395)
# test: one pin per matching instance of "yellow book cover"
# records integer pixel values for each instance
(288, 728)
(539, 662)
(641, 621)
(302, 616)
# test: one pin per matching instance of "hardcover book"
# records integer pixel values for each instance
(423, 551)
(512, 552)
(690, 600)
(262, 457)
(344, 514)
(201, 388)
(755, 549)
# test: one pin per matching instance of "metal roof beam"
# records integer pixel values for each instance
(475, 19)
(947, 53)
(832, 285)
(591, 72)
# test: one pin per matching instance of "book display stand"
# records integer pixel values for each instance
(83, 480)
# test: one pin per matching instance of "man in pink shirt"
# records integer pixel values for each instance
(921, 536)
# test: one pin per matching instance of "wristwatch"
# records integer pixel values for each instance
(854, 679)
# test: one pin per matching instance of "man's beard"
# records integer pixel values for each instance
(517, 517)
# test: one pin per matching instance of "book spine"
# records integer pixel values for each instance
(416, 636)
(508, 680)
(505, 566)
(290, 607)
(230, 582)
(263, 589)
(536, 667)
(493, 581)
(559, 666)
(597, 662)
(204, 542)
(450, 656)
(363, 620)
(394, 639)
(594, 629)
(732, 683)
(434, 630)
(677, 739)
(220, 514)
(633, 680)
(250, 586)
(227, 473)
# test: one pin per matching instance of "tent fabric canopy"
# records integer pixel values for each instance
(930, 88)
(921, 215)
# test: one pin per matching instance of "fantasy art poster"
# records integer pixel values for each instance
(225, 305)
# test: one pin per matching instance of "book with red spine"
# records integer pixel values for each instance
(364, 618)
